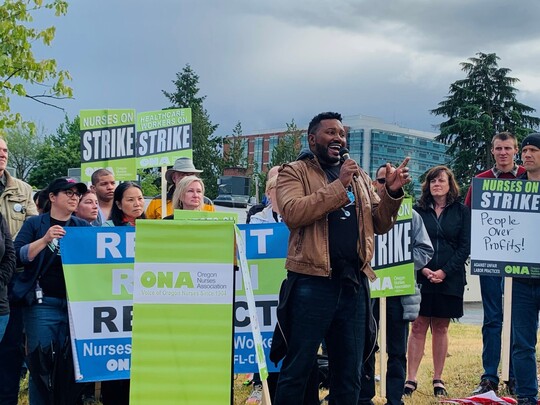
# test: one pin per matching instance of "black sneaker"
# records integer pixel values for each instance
(511, 386)
(486, 386)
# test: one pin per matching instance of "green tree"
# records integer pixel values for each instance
(60, 152)
(288, 146)
(206, 146)
(149, 180)
(478, 107)
(236, 155)
(24, 147)
(19, 68)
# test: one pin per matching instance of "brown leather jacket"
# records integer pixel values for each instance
(305, 198)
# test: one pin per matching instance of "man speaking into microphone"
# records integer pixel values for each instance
(332, 212)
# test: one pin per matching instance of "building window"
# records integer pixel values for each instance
(258, 154)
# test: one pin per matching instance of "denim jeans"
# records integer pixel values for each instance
(3, 325)
(525, 309)
(397, 334)
(491, 289)
(12, 357)
(45, 324)
(320, 307)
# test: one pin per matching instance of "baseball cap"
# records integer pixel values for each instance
(66, 183)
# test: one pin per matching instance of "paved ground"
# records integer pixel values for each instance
(473, 313)
(242, 212)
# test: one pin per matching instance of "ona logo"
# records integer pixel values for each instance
(381, 284)
(166, 279)
(516, 269)
(88, 171)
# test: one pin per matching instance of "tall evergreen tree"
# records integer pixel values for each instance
(478, 107)
(288, 146)
(206, 147)
(236, 155)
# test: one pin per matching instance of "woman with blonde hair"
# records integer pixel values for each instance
(189, 194)
(443, 281)
(270, 213)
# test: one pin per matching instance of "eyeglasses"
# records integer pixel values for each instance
(381, 181)
(71, 193)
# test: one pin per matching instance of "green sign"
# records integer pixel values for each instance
(108, 140)
(205, 216)
(182, 309)
(393, 259)
(163, 136)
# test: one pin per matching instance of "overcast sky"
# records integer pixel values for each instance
(265, 63)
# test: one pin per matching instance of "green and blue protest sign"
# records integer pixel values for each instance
(503, 228)
(99, 282)
(265, 250)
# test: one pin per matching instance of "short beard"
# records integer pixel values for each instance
(322, 154)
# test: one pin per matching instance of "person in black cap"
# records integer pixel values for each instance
(526, 300)
(37, 248)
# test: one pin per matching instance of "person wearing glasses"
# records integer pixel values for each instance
(38, 250)
(400, 311)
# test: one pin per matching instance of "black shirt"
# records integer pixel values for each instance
(343, 233)
(52, 281)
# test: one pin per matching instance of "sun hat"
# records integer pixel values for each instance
(182, 165)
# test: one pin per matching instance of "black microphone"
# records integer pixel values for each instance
(344, 155)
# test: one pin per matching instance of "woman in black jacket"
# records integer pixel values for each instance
(37, 247)
(443, 278)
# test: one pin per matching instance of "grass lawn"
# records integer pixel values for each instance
(461, 374)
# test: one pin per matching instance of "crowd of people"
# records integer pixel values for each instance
(34, 326)
(333, 211)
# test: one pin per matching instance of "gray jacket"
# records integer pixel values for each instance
(422, 254)
(16, 203)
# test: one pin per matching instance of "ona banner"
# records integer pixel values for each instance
(503, 228)
(182, 306)
(163, 136)
(393, 259)
(99, 282)
(108, 140)
(265, 247)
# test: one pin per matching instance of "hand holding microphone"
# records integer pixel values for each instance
(349, 169)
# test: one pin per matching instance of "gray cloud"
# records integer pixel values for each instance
(263, 63)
